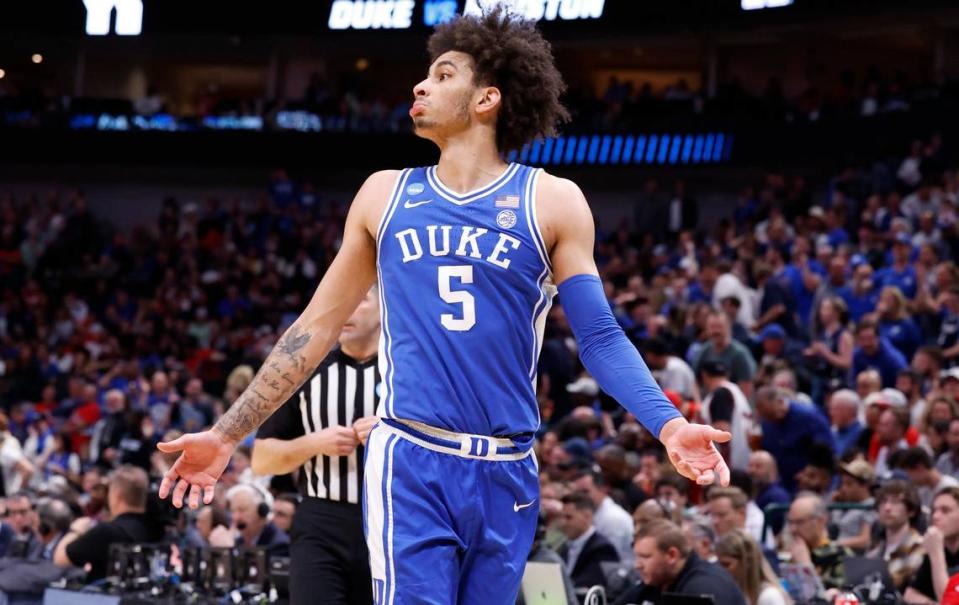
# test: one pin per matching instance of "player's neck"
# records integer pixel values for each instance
(469, 161)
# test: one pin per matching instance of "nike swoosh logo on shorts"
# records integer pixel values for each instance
(518, 507)
(410, 204)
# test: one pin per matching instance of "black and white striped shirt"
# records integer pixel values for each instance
(341, 391)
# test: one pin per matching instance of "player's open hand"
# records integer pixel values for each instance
(204, 458)
(691, 450)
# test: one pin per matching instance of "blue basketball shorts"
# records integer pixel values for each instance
(449, 518)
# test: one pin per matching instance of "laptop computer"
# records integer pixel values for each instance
(866, 570)
(543, 584)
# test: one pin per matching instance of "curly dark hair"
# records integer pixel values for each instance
(509, 53)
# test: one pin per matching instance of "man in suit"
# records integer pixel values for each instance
(585, 549)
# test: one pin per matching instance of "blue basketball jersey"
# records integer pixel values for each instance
(465, 285)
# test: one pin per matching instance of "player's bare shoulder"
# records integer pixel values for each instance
(372, 198)
(560, 206)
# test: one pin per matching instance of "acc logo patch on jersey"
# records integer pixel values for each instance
(506, 219)
(415, 189)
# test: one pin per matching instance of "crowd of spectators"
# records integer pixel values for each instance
(819, 325)
(349, 103)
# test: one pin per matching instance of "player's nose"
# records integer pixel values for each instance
(420, 89)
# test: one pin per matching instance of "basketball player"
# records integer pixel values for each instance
(466, 253)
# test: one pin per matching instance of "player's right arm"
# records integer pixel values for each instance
(301, 348)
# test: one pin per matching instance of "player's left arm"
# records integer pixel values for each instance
(568, 232)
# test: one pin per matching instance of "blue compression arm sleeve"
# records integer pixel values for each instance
(609, 356)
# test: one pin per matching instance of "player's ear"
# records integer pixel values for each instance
(489, 100)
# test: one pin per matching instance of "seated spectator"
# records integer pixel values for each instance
(87, 542)
(900, 544)
(15, 469)
(727, 409)
(891, 435)
(672, 489)
(206, 520)
(789, 430)
(284, 508)
(251, 524)
(700, 536)
(948, 461)
(819, 473)
(722, 348)
(830, 354)
(855, 525)
(895, 322)
(667, 564)
(740, 555)
(845, 408)
(766, 487)
(942, 550)
(927, 480)
(874, 351)
(585, 548)
(670, 371)
(609, 518)
(807, 522)
(61, 460)
(24, 579)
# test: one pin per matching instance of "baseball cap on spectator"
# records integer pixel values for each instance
(902, 238)
(772, 331)
(713, 367)
(952, 373)
(895, 397)
(884, 400)
(859, 469)
(584, 385)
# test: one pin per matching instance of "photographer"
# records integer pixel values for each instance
(86, 544)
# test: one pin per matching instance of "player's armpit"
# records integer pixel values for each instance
(307, 341)
(566, 223)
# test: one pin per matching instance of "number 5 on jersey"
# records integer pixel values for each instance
(444, 276)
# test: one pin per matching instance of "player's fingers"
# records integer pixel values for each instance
(208, 493)
(717, 435)
(176, 445)
(684, 468)
(178, 492)
(195, 496)
(723, 469)
(169, 480)
(706, 478)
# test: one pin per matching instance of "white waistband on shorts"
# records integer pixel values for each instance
(479, 447)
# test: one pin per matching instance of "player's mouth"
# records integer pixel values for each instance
(417, 108)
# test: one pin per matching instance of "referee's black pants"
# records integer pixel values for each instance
(329, 561)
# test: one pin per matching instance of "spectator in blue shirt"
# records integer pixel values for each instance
(901, 274)
(874, 351)
(896, 324)
(845, 409)
(861, 295)
(789, 431)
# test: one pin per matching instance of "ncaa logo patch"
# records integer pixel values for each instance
(506, 219)
(415, 189)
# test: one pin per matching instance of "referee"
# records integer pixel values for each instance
(321, 431)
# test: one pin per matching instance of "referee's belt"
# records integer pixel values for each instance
(480, 447)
